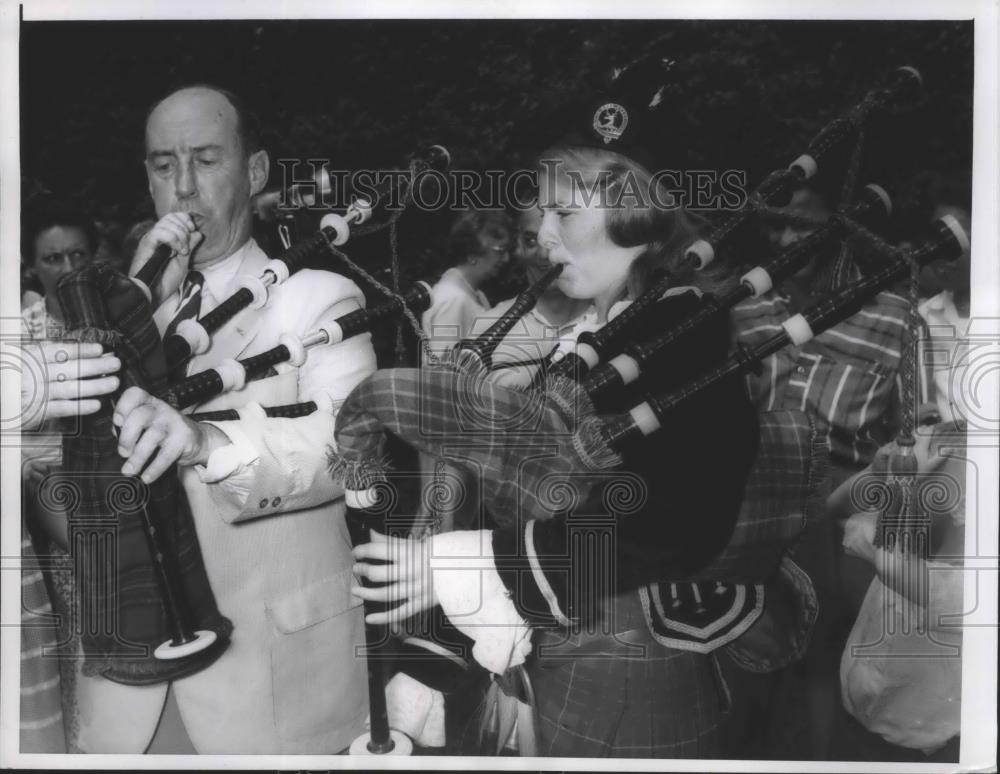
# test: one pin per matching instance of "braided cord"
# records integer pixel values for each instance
(900, 525)
(391, 292)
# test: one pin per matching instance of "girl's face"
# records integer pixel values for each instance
(574, 232)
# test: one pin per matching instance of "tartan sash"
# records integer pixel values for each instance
(121, 609)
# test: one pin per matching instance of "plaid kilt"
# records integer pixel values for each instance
(119, 592)
(598, 697)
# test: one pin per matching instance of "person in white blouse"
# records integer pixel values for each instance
(479, 248)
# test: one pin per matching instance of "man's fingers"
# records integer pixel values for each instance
(165, 457)
(147, 445)
(173, 231)
(86, 388)
(132, 428)
(129, 401)
(106, 364)
(57, 409)
(64, 351)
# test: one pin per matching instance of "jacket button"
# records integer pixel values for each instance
(275, 502)
(263, 503)
(799, 370)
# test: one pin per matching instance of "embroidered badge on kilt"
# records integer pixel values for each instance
(700, 617)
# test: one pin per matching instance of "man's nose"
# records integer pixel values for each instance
(185, 183)
(68, 264)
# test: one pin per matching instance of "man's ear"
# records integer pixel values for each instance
(259, 166)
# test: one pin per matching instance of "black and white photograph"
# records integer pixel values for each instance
(465, 382)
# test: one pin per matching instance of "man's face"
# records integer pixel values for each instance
(804, 204)
(59, 250)
(195, 164)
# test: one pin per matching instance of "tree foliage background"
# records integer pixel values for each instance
(746, 95)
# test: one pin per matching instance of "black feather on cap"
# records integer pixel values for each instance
(627, 115)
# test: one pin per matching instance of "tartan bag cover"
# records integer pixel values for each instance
(726, 596)
(119, 594)
(519, 441)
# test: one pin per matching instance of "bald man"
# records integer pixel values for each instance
(270, 520)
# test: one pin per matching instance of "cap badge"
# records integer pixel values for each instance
(610, 121)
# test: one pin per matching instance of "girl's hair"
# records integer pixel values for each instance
(639, 210)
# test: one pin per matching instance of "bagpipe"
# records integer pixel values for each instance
(145, 609)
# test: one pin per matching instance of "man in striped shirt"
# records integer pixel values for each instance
(846, 378)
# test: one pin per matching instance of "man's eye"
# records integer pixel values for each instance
(162, 167)
(207, 162)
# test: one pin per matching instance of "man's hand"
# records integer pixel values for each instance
(150, 431)
(64, 379)
(179, 232)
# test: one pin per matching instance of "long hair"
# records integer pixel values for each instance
(639, 210)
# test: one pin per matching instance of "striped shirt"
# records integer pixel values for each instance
(41, 718)
(846, 378)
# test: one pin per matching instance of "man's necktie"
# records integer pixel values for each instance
(189, 309)
(190, 301)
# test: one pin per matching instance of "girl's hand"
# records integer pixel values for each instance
(403, 565)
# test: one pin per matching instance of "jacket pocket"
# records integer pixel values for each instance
(317, 664)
